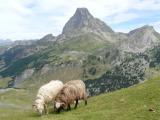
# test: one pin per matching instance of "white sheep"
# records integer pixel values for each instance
(47, 94)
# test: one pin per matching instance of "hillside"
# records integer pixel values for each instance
(2, 49)
(133, 103)
(87, 49)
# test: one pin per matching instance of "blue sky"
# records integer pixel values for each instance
(30, 19)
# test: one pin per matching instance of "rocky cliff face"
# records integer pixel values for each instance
(83, 22)
(140, 39)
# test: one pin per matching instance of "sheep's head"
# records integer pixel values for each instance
(38, 107)
(58, 106)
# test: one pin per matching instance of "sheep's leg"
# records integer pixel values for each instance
(85, 99)
(76, 104)
(54, 108)
(68, 107)
(58, 111)
(46, 109)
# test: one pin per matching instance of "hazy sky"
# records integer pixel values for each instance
(26, 19)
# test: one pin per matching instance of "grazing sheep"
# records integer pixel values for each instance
(72, 91)
(47, 94)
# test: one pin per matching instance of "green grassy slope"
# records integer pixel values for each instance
(4, 82)
(127, 104)
(70, 51)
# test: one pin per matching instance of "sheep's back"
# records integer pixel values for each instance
(80, 87)
(50, 90)
(73, 90)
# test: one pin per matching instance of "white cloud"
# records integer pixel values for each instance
(25, 19)
(129, 28)
(146, 4)
(123, 17)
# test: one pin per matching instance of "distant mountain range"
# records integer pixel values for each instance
(86, 49)
(5, 42)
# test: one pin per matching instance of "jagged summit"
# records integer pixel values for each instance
(48, 37)
(141, 39)
(82, 13)
(142, 29)
(83, 21)
(147, 27)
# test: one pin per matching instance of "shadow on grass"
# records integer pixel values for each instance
(51, 112)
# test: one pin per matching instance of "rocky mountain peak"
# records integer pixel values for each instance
(5, 42)
(48, 37)
(147, 27)
(83, 21)
(82, 13)
(143, 29)
(141, 39)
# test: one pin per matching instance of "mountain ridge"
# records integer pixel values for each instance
(94, 50)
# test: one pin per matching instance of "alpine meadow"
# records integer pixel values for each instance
(117, 73)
